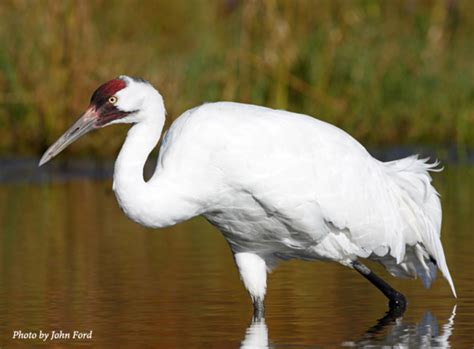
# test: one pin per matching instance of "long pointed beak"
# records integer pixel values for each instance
(85, 124)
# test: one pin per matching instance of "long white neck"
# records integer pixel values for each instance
(134, 195)
(141, 140)
(161, 201)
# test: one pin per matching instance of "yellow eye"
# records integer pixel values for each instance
(112, 99)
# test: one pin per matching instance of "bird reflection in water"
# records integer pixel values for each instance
(256, 335)
(390, 331)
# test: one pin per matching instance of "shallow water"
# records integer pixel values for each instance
(70, 260)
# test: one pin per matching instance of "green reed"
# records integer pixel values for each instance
(388, 72)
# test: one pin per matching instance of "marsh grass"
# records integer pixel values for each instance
(388, 72)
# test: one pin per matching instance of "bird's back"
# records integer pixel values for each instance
(299, 186)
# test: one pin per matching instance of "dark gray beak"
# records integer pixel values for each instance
(85, 124)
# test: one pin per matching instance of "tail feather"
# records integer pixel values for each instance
(422, 213)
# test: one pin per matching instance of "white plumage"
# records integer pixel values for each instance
(278, 185)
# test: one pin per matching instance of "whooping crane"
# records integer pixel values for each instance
(278, 185)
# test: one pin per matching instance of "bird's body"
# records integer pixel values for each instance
(278, 185)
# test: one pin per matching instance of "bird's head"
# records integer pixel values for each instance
(121, 100)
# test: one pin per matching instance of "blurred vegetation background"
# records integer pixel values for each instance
(388, 72)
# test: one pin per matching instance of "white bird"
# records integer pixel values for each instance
(278, 185)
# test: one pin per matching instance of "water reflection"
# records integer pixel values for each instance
(399, 333)
(394, 332)
(70, 260)
(256, 335)
(390, 331)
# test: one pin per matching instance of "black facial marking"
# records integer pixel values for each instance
(108, 113)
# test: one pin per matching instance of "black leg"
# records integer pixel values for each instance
(258, 309)
(383, 325)
(389, 318)
(396, 299)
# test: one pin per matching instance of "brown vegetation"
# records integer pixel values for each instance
(387, 72)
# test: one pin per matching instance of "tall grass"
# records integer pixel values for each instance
(388, 72)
